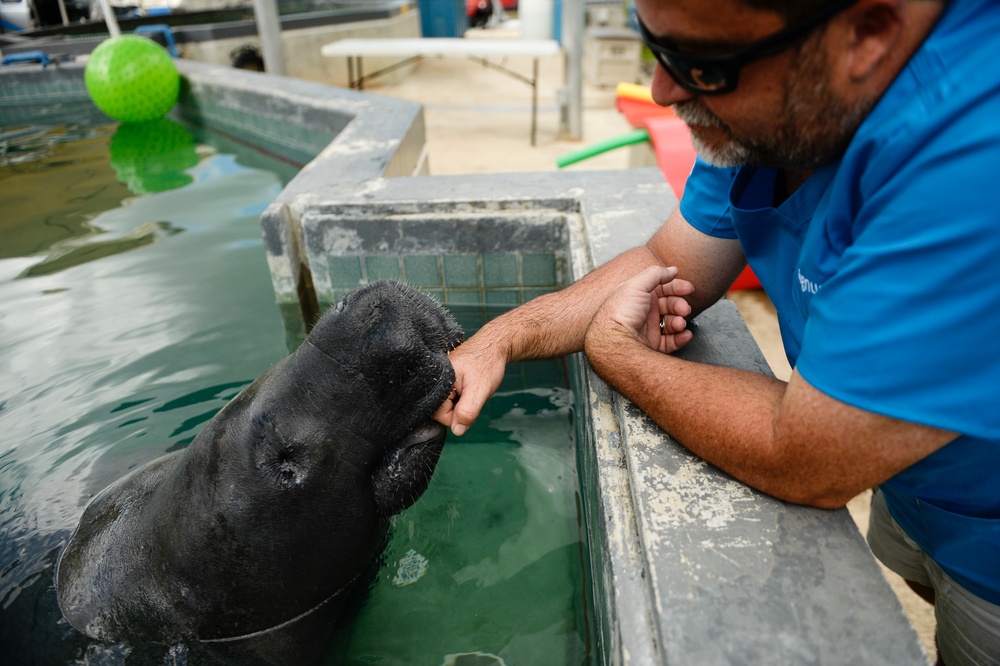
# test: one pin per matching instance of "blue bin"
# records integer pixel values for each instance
(557, 20)
(443, 18)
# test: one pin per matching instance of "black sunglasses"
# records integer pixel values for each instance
(718, 74)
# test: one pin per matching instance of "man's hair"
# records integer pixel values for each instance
(792, 10)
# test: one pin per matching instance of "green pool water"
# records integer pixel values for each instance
(135, 301)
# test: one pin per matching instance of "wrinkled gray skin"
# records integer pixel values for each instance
(278, 507)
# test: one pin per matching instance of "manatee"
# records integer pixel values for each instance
(250, 539)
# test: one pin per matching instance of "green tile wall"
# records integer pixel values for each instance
(288, 139)
(501, 280)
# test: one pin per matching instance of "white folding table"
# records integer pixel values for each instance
(414, 49)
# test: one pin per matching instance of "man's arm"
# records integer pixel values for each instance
(555, 324)
(788, 440)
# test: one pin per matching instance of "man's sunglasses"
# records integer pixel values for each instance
(718, 74)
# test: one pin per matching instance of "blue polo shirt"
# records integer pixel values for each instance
(884, 268)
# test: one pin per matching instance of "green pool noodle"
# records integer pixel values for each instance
(627, 139)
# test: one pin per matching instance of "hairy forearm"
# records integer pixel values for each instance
(722, 415)
(728, 417)
(786, 439)
(555, 324)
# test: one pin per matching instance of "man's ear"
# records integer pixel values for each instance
(873, 29)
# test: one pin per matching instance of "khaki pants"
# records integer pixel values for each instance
(968, 627)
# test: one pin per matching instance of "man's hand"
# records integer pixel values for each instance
(479, 368)
(649, 308)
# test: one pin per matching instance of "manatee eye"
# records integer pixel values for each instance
(288, 475)
(280, 458)
(284, 464)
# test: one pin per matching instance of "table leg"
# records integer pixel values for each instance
(350, 71)
(534, 101)
(361, 76)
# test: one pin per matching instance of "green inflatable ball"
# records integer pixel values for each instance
(132, 79)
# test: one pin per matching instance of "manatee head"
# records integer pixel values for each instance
(279, 505)
(378, 361)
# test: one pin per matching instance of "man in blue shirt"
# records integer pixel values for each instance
(847, 151)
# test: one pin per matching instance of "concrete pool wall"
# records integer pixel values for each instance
(689, 566)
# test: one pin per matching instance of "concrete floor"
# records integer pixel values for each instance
(478, 121)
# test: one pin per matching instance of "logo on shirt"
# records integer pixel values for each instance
(808, 286)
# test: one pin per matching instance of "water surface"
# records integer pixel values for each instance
(134, 303)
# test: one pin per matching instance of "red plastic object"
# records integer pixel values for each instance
(675, 154)
(636, 111)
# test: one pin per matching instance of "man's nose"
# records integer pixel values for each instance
(665, 90)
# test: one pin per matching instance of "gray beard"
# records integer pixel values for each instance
(816, 127)
(730, 154)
